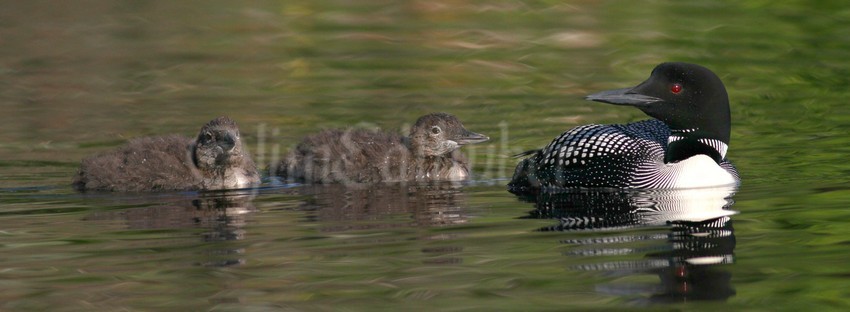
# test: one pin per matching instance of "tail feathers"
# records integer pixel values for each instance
(281, 170)
(526, 153)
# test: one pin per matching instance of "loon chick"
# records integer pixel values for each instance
(430, 153)
(684, 147)
(213, 161)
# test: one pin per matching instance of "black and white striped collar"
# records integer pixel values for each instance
(718, 145)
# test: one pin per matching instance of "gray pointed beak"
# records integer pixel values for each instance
(624, 96)
(470, 137)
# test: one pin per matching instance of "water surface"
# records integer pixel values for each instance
(79, 78)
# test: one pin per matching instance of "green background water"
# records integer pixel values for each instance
(78, 78)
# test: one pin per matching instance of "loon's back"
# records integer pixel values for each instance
(594, 156)
(612, 156)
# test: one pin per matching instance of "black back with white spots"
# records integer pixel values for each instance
(613, 156)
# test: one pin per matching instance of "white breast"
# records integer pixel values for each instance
(457, 173)
(695, 172)
(240, 180)
(699, 171)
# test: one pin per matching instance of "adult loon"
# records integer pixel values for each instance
(684, 147)
(215, 160)
(430, 153)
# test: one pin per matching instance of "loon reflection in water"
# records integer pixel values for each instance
(695, 235)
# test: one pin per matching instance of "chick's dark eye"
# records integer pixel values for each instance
(208, 136)
(676, 88)
(435, 130)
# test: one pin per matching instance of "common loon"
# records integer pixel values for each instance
(215, 160)
(684, 147)
(430, 153)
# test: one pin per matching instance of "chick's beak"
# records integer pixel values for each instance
(227, 141)
(469, 137)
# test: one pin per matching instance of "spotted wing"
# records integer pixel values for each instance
(602, 155)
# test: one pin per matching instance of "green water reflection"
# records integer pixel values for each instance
(78, 78)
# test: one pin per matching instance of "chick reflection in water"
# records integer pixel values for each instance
(389, 216)
(222, 216)
(695, 236)
(341, 208)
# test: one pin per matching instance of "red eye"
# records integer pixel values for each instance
(676, 88)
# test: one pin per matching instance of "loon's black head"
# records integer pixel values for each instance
(439, 134)
(218, 145)
(689, 98)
